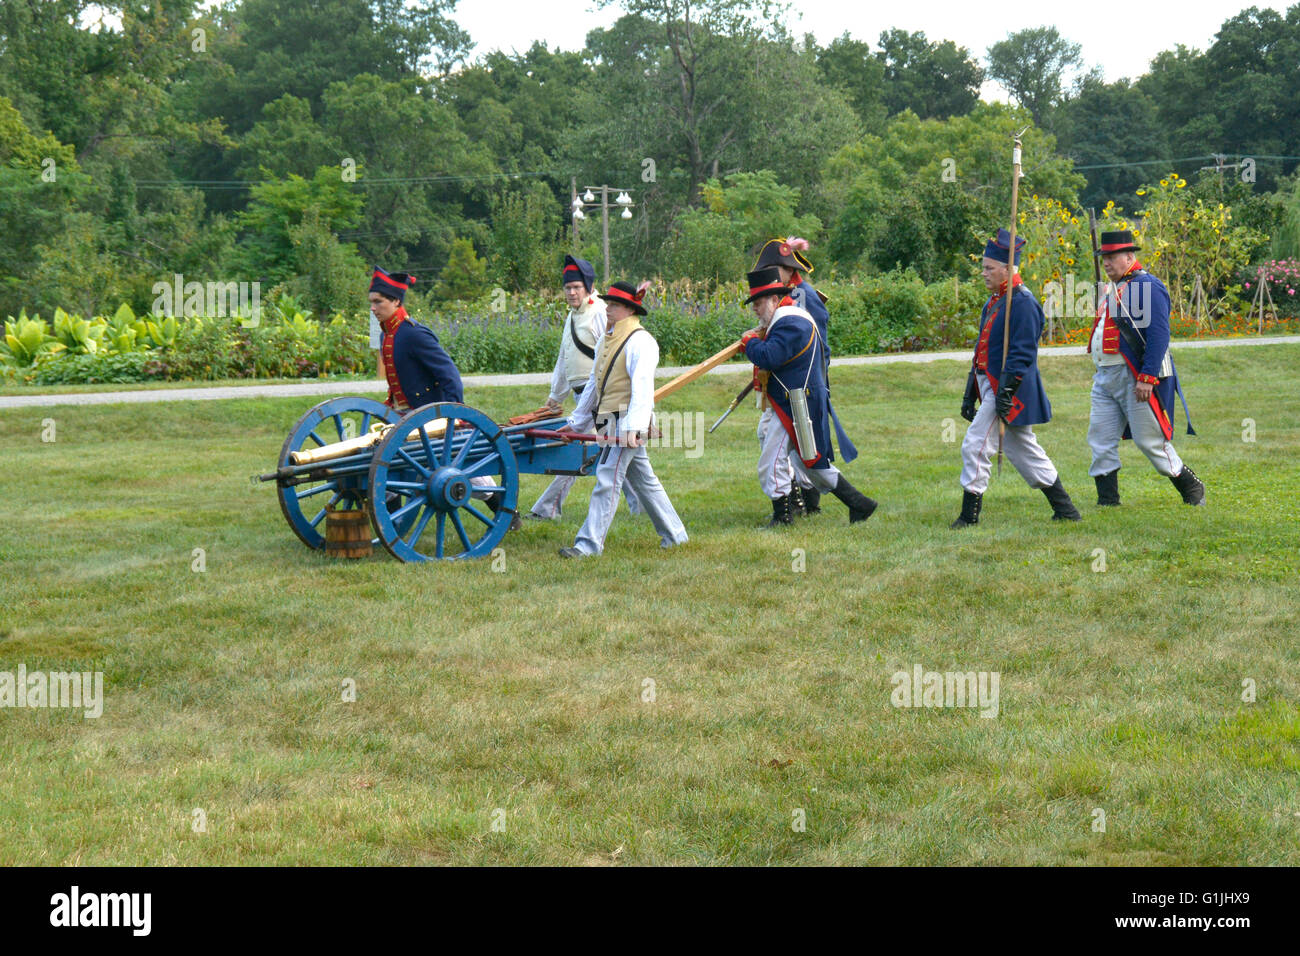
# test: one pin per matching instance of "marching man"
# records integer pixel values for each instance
(1135, 383)
(788, 257)
(1011, 392)
(619, 399)
(788, 347)
(584, 327)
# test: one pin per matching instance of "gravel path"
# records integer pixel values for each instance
(200, 394)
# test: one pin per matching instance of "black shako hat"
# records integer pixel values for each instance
(765, 281)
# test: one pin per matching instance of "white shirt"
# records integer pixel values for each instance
(642, 352)
(571, 366)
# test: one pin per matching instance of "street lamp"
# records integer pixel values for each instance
(624, 199)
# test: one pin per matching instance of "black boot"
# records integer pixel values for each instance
(797, 507)
(1189, 486)
(1063, 508)
(1107, 488)
(970, 510)
(812, 501)
(494, 501)
(860, 506)
(780, 512)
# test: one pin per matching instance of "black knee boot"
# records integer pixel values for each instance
(1063, 508)
(780, 512)
(1107, 488)
(1189, 486)
(860, 506)
(970, 510)
(812, 501)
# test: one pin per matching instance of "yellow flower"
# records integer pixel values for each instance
(1182, 183)
(1164, 182)
(1069, 262)
(1142, 192)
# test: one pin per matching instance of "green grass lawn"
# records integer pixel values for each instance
(501, 716)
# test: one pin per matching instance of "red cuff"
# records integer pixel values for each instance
(747, 338)
(1148, 379)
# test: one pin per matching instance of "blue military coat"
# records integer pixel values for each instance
(1030, 405)
(424, 369)
(792, 353)
(1143, 305)
(806, 297)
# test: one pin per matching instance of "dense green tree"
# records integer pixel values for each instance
(930, 79)
(1108, 123)
(1031, 65)
(850, 66)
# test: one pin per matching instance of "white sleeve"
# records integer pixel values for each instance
(376, 333)
(560, 381)
(642, 353)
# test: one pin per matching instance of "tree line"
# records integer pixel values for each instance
(295, 142)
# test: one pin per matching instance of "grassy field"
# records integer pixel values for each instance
(506, 716)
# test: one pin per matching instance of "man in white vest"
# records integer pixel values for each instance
(619, 401)
(584, 327)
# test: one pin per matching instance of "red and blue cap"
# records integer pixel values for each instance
(392, 284)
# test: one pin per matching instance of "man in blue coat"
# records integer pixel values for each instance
(788, 257)
(1134, 387)
(788, 346)
(1011, 392)
(418, 368)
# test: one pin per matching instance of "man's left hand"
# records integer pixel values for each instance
(1143, 392)
(633, 439)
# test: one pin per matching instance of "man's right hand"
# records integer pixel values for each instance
(968, 409)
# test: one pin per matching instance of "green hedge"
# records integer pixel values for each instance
(889, 313)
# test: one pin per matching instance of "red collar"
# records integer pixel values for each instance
(795, 280)
(398, 317)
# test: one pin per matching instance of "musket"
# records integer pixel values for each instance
(1011, 288)
(732, 407)
(1140, 346)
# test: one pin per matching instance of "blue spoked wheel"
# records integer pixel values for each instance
(434, 479)
(331, 421)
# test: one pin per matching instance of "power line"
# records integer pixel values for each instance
(366, 182)
(1185, 159)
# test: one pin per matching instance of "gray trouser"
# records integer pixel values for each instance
(552, 499)
(621, 467)
(1019, 444)
(1114, 404)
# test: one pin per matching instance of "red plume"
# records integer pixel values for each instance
(796, 243)
(640, 290)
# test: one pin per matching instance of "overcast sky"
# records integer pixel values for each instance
(1122, 45)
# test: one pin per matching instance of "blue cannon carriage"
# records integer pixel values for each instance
(438, 483)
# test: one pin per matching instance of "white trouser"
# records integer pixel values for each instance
(1019, 445)
(786, 467)
(617, 468)
(1114, 404)
(775, 473)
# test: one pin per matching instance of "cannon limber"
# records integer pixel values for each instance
(438, 483)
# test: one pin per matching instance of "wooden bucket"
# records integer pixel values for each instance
(347, 533)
